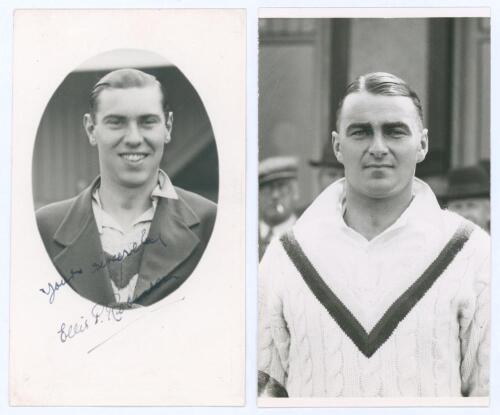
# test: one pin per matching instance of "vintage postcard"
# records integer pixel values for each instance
(374, 207)
(128, 208)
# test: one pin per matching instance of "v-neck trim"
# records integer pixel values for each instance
(369, 342)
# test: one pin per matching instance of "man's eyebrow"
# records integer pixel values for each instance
(107, 116)
(396, 124)
(361, 125)
(123, 117)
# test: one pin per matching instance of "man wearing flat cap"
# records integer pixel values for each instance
(278, 195)
(376, 291)
(469, 194)
(131, 238)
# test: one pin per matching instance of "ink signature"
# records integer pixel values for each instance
(98, 314)
(52, 287)
(120, 256)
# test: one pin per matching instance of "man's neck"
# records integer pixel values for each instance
(370, 216)
(125, 204)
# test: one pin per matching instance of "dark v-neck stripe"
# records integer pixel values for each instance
(368, 343)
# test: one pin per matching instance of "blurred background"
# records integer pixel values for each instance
(64, 163)
(305, 65)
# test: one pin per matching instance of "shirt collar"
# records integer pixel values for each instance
(422, 208)
(329, 207)
(164, 189)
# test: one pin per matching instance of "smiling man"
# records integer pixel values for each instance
(376, 291)
(131, 237)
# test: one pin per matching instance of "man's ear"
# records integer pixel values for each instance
(424, 146)
(336, 146)
(169, 122)
(89, 126)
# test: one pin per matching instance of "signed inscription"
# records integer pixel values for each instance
(53, 287)
(98, 314)
(120, 256)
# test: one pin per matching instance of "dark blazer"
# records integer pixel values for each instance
(179, 234)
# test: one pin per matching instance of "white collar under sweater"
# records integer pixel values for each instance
(327, 211)
(440, 348)
(368, 276)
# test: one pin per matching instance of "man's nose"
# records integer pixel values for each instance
(378, 146)
(133, 136)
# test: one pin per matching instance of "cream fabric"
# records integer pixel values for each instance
(441, 348)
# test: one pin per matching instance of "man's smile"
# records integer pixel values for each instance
(133, 157)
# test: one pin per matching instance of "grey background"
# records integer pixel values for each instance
(305, 65)
(64, 163)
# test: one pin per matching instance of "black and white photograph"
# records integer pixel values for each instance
(374, 208)
(126, 190)
(119, 231)
(249, 207)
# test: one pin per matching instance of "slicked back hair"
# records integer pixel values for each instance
(122, 79)
(381, 83)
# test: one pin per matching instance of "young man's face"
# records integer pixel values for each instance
(130, 131)
(379, 142)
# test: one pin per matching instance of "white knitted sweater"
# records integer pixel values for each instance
(441, 347)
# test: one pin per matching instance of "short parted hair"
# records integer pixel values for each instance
(382, 83)
(122, 79)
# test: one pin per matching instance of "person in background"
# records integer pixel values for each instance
(278, 196)
(376, 291)
(329, 168)
(469, 194)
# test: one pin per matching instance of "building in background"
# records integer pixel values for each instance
(305, 64)
(63, 161)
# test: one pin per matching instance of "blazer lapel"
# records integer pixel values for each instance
(169, 243)
(82, 260)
